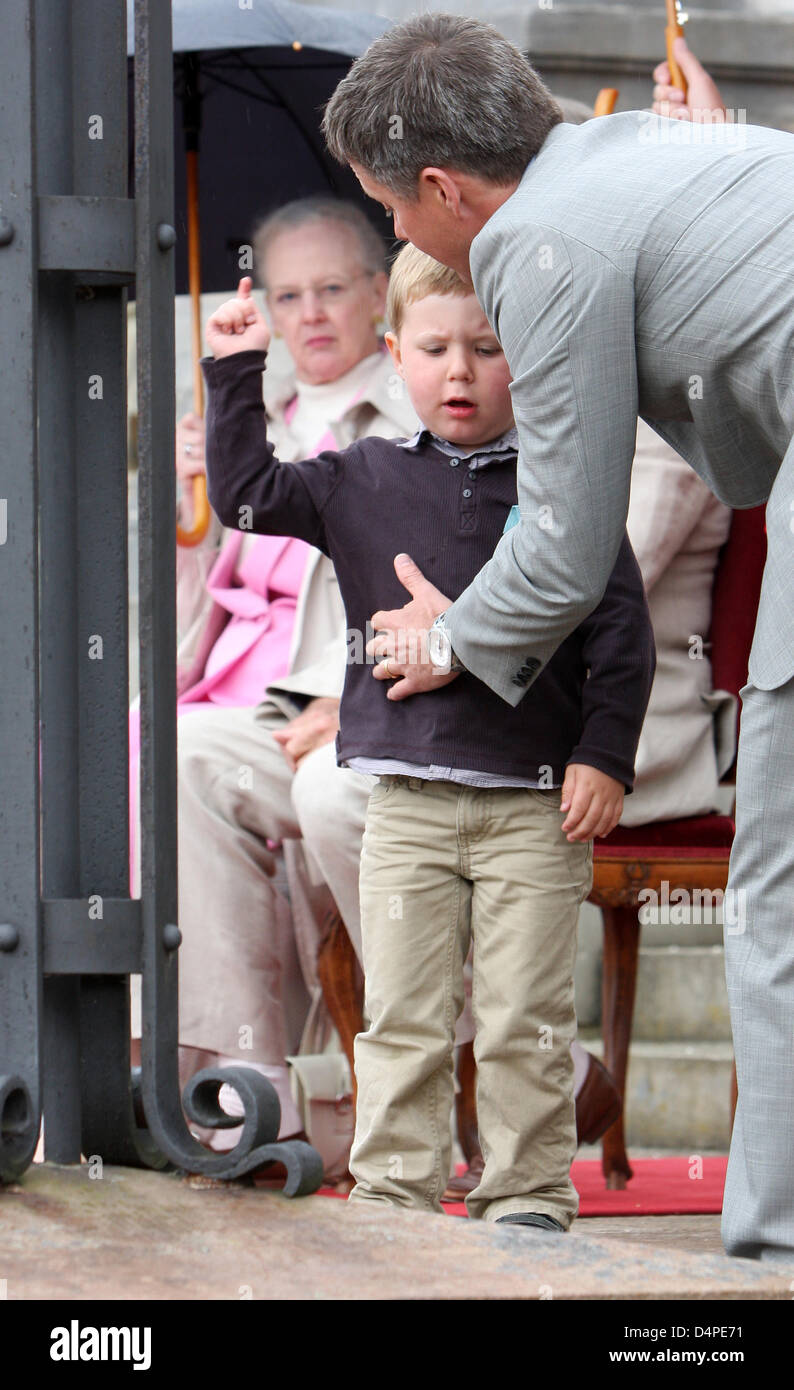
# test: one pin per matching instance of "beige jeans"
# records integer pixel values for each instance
(441, 864)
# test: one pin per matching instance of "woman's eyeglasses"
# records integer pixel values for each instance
(326, 292)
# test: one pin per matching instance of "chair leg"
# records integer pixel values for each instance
(340, 976)
(466, 1102)
(621, 946)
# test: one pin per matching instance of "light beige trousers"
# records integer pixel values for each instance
(442, 864)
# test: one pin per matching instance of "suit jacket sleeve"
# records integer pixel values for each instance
(619, 650)
(248, 487)
(565, 318)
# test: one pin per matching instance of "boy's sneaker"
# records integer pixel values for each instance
(531, 1218)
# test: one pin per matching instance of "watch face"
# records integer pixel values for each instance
(439, 648)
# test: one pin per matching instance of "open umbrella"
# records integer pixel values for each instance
(249, 87)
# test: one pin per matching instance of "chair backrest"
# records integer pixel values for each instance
(734, 604)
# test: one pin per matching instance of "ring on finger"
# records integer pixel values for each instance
(388, 670)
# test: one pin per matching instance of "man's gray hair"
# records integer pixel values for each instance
(439, 90)
(321, 208)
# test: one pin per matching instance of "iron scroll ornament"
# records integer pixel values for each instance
(18, 1127)
(258, 1144)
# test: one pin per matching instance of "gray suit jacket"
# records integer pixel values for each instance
(642, 266)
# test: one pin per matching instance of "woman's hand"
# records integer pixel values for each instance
(702, 101)
(316, 725)
(593, 800)
(190, 447)
(238, 326)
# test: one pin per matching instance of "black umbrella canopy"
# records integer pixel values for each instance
(257, 103)
(214, 24)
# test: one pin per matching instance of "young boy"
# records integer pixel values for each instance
(463, 835)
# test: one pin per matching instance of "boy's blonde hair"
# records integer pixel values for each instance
(414, 276)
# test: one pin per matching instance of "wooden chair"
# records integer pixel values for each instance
(342, 983)
(691, 853)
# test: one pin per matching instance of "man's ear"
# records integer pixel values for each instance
(393, 344)
(442, 185)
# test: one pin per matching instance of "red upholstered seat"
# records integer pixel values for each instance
(690, 835)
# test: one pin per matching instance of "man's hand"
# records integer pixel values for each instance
(594, 802)
(702, 101)
(402, 636)
(316, 725)
(237, 326)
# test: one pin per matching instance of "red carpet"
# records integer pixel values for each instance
(660, 1187)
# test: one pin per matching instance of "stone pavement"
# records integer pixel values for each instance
(134, 1234)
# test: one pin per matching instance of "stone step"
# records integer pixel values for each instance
(678, 1094)
(681, 994)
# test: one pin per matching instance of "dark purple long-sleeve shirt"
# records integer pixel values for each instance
(363, 505)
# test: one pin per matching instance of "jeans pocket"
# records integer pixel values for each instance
(550, 797)
(382, 789)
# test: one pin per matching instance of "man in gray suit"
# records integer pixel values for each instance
(630, 265)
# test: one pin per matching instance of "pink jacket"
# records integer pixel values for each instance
(237, 665)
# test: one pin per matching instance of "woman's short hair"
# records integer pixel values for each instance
(439, 90)
(414, 275)
(320, 208)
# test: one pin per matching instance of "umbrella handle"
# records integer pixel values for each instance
(605, 101)
(201, 515)
(674, 30)
(201, 506)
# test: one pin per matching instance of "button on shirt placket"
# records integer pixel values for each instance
(468, 498)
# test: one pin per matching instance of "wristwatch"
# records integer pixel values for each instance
(439, 648)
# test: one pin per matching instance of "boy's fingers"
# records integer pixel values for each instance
(586, 818)
(568, 789)
(579, 804)
(661, 73)
(244, 287)
(605, 824)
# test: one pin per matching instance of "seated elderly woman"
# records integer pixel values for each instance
(257, 609)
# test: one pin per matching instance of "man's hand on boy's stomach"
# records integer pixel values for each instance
(315, 726)
(593, 800)
(401, 641)
(237, 326)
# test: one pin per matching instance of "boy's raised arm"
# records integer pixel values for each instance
(248, 487)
